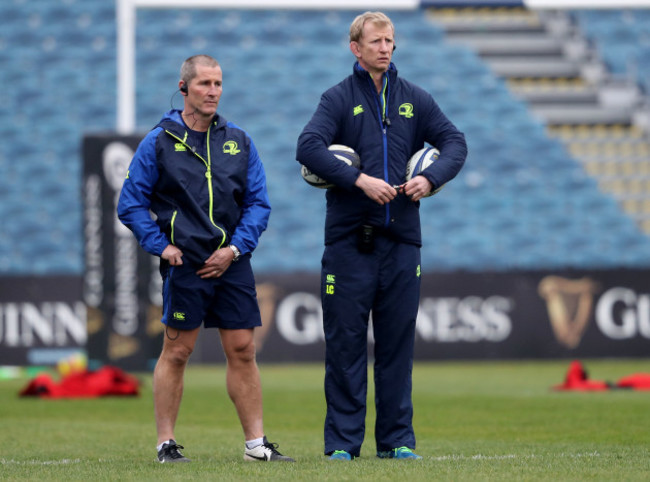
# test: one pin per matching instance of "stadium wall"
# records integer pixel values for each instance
(482, 316)
(113, 311)
(463, 316)
(42, 319)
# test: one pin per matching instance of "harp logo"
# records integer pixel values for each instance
(569, 304)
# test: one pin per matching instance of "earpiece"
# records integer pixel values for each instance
(183, 88)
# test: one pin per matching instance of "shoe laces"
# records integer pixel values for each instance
(173, 451)
(273, 447)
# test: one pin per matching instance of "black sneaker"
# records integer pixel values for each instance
(267, 452)
(170, 453)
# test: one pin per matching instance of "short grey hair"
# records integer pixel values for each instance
(188, 69)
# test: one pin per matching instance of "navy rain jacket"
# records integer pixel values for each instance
(385, 130)
(201, 203)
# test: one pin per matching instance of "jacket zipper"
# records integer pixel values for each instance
(172, 223)
(385, 94)
(208, 175)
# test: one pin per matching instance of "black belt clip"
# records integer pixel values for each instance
(366, 238)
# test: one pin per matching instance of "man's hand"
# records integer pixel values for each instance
(217, 263)
(172, 254)
(417, 188)
(376, 189)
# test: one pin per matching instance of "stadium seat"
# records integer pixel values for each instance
(622, 37)
(514, 206)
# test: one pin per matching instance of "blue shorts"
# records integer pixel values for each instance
(228, 302)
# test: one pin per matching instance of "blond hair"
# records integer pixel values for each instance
(378, 18)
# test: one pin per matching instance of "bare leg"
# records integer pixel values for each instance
(243, 380)
(168, 379)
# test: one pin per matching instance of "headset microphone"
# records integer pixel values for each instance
(183, 88)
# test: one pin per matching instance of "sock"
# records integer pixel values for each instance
(251, 444)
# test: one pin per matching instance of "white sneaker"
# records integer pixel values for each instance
(267, 452)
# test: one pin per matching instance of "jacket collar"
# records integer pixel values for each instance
(173, 121)
(363, 73)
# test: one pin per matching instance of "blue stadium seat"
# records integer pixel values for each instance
(520, 203)
(622, 37)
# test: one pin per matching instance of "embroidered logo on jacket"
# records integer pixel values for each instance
(230, 147)
(357, 110)
(179, 146)
(406, 110)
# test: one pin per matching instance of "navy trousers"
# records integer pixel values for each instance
(386, 282)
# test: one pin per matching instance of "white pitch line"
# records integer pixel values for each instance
(443, 458)
(39, 462)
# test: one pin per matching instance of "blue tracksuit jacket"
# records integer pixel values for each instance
(385, 130)
(201, 203)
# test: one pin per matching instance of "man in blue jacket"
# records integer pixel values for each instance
(203, 179)
(371, 260)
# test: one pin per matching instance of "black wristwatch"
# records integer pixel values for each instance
(235, 251)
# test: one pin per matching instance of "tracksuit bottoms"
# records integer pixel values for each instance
(386, 282)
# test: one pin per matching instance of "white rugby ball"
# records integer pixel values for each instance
(420, 161)
(342, 153)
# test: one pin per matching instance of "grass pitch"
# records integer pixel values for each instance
(473, 421)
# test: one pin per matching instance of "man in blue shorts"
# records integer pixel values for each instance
(203, 179)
